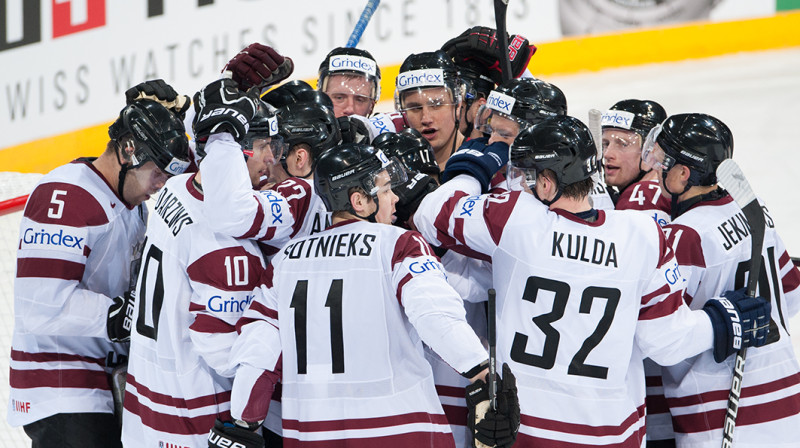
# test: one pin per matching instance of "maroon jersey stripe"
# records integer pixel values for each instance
(17, 355)
(59, 378)
(747, 415)
(663, 308)
(49, 268)
(364, 423)
(182, 403)
(64, 204)
(583, 429)
(172, 424)
(225, 269)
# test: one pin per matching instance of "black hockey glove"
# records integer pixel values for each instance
(228, 435)
(492, 427)
(410, 194)
(478, 159)
(120, 317)
(222, 107)
(738, 321)
(162, 93)
(258, 66)
(353, 130)
(480, 43)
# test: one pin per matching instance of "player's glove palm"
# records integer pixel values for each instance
(494, 427)
(222, 107)
(258, 66)
(120, 317)
(478, 159)
(738, 321)
(480, 43)
(162, 93)
(228, 435)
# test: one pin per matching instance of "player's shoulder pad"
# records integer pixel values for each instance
(65, 203)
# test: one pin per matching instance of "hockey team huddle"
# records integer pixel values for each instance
(314, 273)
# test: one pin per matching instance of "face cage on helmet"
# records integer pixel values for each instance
(434, 102)
(483, 122)
(654, 156)
(276, 144)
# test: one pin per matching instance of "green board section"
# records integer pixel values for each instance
(785, 5)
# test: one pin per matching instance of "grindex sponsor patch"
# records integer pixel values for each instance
(52, 237)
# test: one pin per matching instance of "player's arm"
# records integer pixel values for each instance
(256, 355)
(222, 283)
(790, 279)
(61, 224)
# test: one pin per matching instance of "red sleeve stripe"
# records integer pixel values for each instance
(17, 355)
(269, 235)
(662, 308)
(49, 268)
(634, 440)
(258, 221)
(263, 310)
(456, 415)
(442, 222)
(365, 423)
(689, 250)
(400, 285)
(586, 430)
(59, 378)
(466, 251)
(450, 391)
(204, 323)
(194, 307)
(656, 404)
(226, 269)
(257, 404)
(660, 291)
(747, 415)
(791, 280)
(785, 258)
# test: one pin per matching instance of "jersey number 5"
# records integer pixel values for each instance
(552, 337)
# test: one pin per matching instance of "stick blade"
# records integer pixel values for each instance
(732, 179)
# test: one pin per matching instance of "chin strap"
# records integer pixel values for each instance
(545, 201)
(675, 207)
(123, 170)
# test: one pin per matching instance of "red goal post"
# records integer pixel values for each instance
(13, 205)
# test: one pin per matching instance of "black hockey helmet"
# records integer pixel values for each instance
(427, 70)
(297, 91)
(310, 123)
(698, 141)
(353, 166)
(156, 134)
(411, 148)
(634, 115)
(264, 125)
(526, 101)
(561, 143)
(476, 79)
(351, 61)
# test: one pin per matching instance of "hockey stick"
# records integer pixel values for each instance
(731, 177)
(491, 328)
(595, 119)
(500, 7)
(358, 30)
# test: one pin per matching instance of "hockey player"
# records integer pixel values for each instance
(635, 187)
(583, 298)
(343, 313)
(352, 79)
(193, 286)
(429, 94)
(711, 240)
(80, 239)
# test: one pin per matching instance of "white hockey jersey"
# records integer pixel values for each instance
(77, 242)
(712, 245)
(645, 196)
(290, 209)
(580, 304)
(350, 308)
(193, 286)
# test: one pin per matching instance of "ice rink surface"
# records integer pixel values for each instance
(756, 94)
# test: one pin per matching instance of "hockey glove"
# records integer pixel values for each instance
(162, 93)
(258, 66)
(222, 107)
(494, 427)
(120, 317)
(353, 130)
(738, 321)
(480, 44)
(478, 159)
(410, 194)
(228, 435)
